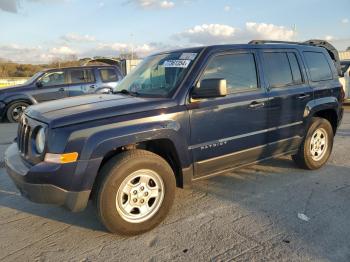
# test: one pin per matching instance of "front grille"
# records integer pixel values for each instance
(23, 137)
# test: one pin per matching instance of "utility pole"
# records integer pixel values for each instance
(132, 46)
(294, 28)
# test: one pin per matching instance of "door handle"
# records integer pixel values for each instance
(255, 105)
(61, 89)
(303, 96)
(92, 86)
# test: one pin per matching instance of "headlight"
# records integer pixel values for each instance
(40, 141)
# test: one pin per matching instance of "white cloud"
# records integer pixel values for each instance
(345, 20)
(62, 50)
(73, 37)
(35, 54)
(221, 34)
(329, 38)
(114, 49)
(227, 8)
(269, 31)
(208, 33)
(167, 4)
(153, 4)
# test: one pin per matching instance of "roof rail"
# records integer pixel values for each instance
(258, 42)
(332, 51)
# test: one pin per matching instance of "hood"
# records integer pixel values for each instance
(80, 109)
(12, 89)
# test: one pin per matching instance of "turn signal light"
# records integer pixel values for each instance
(61, 158)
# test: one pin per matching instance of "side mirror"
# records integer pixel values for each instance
(105, 90)
(39, 84)
(210, 88)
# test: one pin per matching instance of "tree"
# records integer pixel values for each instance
(348, 49)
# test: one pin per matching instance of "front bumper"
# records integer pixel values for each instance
(41, 192)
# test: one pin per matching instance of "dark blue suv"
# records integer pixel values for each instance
(53, 84)
(178, 117)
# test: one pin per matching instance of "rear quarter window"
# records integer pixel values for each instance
(318, 66)
(109, 75)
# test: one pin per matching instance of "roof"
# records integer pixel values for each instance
(78, 67)
(244, 46)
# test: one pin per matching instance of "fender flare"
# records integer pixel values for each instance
(320, 104)
(19, 97)
(101, 140)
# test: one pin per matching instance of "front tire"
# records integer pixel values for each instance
(316, 147)
(15, 110)
(135, 192)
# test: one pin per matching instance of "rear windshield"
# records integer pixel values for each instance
(319, 68)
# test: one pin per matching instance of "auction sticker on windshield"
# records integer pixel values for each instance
(190, 56)
(177, 63)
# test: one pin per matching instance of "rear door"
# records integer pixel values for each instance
(289, 93)
(52, 85)
(110, 76)
(81, 81)
(229, 131)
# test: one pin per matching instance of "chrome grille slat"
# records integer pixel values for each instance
(23, 137)
(26, 139)
(28, 127)
(19, 135)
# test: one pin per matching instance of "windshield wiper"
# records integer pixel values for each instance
(127, 92)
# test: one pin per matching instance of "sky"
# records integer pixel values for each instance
(42, 31)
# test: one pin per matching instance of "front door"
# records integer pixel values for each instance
(289, 93)
(229, 131)
(82, 81)
(52, 85)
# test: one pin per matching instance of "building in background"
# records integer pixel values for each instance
(344, 55)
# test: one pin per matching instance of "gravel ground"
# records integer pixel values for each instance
(271, 211)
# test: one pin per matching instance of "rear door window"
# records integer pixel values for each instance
(282, 69)
(277, 69)
(294, 66)
(81, 76)
(318, 66)
(109, 75)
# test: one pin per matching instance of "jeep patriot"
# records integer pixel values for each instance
(178, 117)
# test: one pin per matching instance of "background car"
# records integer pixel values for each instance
(56, 84)
(345, 80)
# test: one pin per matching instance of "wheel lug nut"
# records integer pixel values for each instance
(146, 193)
(135, 200)
(142, 201)
(135, 192)
(142, 188)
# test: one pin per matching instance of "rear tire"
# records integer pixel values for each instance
(317, 145)
(135, 192)
(15, 110)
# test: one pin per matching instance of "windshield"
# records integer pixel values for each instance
(158, 75)
(33, 78)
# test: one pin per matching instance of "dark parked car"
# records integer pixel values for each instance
(55, 84)
(180, 116)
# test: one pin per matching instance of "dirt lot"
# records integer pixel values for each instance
(271, 211)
